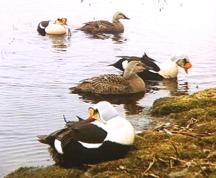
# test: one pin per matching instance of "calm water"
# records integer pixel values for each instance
(36, 72)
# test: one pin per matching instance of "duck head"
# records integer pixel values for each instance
(102, 111)
(133, 68)
(182, 61)
(61, 21)
(119, 15)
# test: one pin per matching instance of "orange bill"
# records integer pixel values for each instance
(187, 66)
(90, 114)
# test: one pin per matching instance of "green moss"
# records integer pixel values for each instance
(212, 111)
(213, 174)
(183, 139)
(209, 139)
(166, 106)
(190, 153)
(206, 126)
(202, 99)
(45, 172)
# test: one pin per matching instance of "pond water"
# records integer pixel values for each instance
(36, 72)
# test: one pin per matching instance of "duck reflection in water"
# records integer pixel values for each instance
(130, 102)
(116, 38)
(60, 43)
(174, 86)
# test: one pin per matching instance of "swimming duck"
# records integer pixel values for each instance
(56, 27)
(112, 84)
(103, 136)
(154, 71)
(102, 26)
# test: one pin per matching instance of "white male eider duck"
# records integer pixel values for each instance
(112, 84)
(56, 27)
(153, 71)
(103, 26)
(103, 136)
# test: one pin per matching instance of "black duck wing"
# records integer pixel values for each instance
(104, 84)
(41, 27)
(49, 139)
(150, 62)
(150, 75)
(83, 131)
(88, 133)
(44, 24)
(118, 64)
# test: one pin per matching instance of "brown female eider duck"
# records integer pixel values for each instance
(56, 27)
(103, 136)
(102, 26)
(111, 84)
(153, 71)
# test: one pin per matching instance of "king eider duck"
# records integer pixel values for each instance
(103, 136)
(112, 84)
(56, 27)
(102, 26)
(154, 71)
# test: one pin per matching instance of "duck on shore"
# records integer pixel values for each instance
(103, 26)
(112, 84)
(103, 136)
(154, 71)
(56, 27)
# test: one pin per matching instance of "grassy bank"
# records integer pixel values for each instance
(182, 144)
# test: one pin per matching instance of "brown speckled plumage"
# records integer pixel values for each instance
(114, 84)
(102, 26)
(105, 84)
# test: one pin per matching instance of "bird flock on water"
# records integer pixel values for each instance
(104, 134)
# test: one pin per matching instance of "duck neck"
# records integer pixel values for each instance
(115, 20)
(136, 83)
(118, 25)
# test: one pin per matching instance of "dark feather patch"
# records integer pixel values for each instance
(147, 74)
(150, 62)
(41, 27)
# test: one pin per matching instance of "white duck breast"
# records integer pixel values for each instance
(120, 131)
(168, 69)
(55, 29)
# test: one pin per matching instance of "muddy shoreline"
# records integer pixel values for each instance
(180, 143)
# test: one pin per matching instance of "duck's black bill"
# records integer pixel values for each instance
(111, 64)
